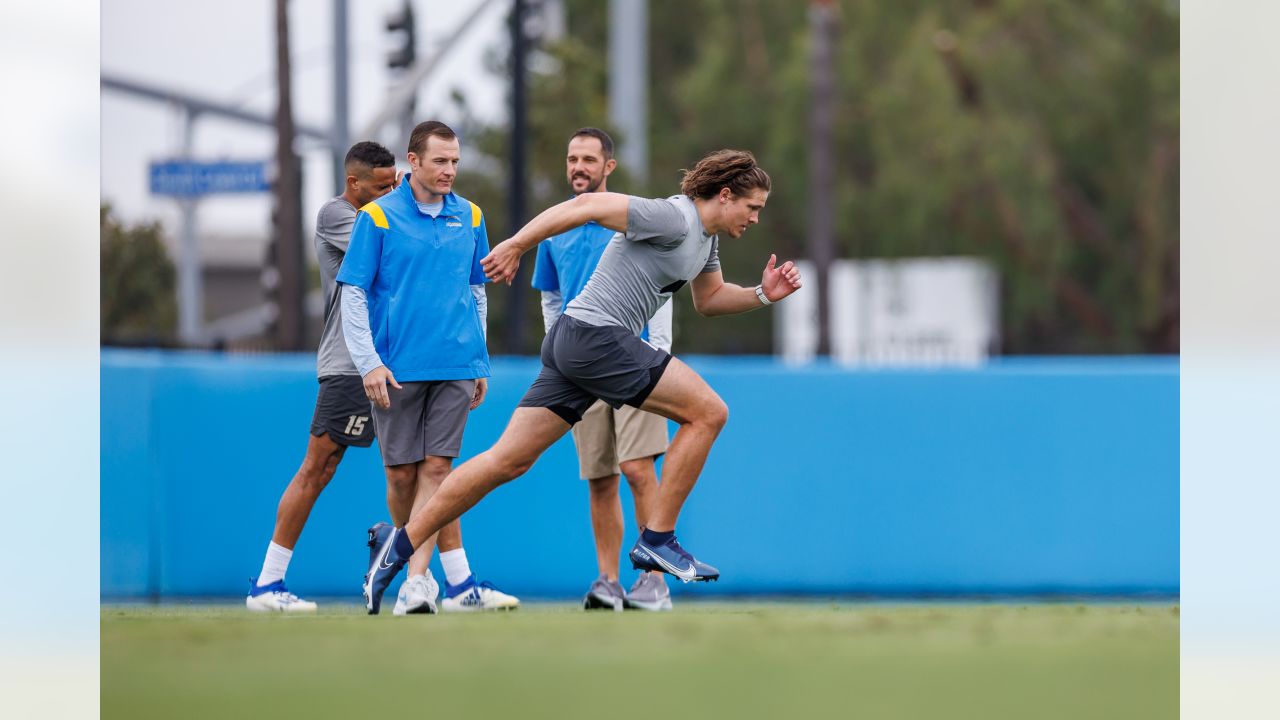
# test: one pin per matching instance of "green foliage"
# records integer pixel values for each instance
(138, 302)
(1042, 135)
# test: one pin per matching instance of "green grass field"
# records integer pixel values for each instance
(732, 660)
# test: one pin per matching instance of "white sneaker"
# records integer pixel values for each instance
(275, 597)
(472, 596)
(417, 596)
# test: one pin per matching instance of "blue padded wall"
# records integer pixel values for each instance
(1025, 476)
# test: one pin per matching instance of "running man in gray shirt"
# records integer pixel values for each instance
(593, 351)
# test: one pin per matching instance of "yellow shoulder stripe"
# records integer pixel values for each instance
(375, 212)
(476, 215)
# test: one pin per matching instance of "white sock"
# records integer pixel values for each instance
(456, 569)
(275, 565)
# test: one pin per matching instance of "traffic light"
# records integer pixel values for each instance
(402, 21)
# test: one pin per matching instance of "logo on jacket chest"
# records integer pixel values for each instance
(450, 232)
(437, 236)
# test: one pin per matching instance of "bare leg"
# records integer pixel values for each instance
(530, 432)
(402, 486)
(683, 396)
(431, 473)
(606, 523)
(450, 536)
(642, 476)
(643, 479)
(318, 467)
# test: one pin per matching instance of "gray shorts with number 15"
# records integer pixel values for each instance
(342, 411)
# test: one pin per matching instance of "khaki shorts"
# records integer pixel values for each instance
(606, 437)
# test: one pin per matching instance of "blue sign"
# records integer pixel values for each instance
(191, 178)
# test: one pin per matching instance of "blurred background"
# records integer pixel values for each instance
(976, 392)
(1040, 137)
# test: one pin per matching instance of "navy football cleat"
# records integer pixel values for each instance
(384, 564)
(672, 559)
(377, 535)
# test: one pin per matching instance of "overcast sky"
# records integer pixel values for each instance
(225, 51)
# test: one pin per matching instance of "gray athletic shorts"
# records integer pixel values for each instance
(342, 411)
(425, 418)
(582, 363)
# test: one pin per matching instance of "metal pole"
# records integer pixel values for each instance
(190, 286)
(629, 85)
(288, 197)
(407, 120)
(517, 181)
(203, 106)
(821, 154)
(341, 96)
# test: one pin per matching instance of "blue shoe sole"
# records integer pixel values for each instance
(697, 578)
(651, 566)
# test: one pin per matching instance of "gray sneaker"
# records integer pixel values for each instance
(605, 594)
(649, 593)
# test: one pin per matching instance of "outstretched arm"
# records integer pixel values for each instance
(713, 296)
(607, 209)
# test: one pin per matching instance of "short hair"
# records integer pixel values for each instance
(369, 155)
(734, 169)
(424, 130)
(606, 142)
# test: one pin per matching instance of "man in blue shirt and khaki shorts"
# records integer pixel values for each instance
(610, 442)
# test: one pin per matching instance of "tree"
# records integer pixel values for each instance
(139, 306)
(1041, 135)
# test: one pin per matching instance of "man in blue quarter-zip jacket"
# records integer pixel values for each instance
(413, 314)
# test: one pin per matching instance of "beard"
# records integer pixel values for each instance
(592, 183)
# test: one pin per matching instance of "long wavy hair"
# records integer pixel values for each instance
(734, 169)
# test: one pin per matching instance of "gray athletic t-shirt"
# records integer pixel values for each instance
(333, 234)
(664, 247)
